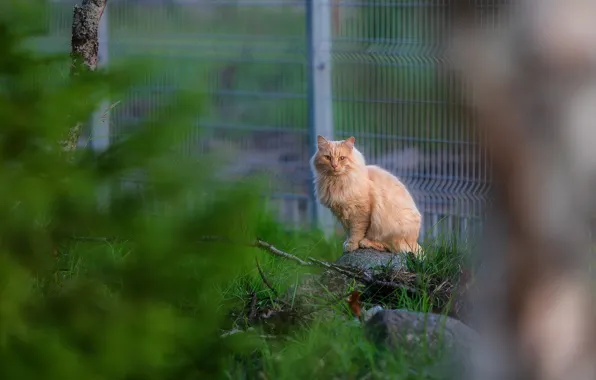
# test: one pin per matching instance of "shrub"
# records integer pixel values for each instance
(96, 286)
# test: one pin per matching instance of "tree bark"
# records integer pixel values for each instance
(533, 80)
(84, 52)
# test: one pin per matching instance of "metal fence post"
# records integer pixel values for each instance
(320, 102)
(100, 121)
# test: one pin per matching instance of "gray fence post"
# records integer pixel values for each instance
(100, 121)
(320, 102)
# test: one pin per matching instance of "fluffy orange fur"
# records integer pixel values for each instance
(373, 206)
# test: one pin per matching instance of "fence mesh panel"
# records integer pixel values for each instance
(250, 57)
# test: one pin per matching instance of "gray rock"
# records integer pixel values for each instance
(368, 313)
(320, 289)
(370, 259)
(402, 327)
(445, 338)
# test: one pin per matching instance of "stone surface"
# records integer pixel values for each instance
(370, 259)
(440, 336)
(369, 313)
(402, 327)
(318, 289)
(391, 328)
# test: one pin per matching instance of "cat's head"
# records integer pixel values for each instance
(336, 157)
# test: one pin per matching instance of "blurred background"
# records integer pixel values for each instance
(172, 276)
(278, 72)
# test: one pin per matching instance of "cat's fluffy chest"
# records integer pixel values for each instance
(342, 191)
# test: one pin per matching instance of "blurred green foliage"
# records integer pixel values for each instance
(105, 288)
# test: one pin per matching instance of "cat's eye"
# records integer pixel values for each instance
(342, 158)
(328, 157)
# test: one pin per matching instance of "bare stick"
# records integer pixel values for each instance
(253, 306)
(277, 252)
(265, 281)
(341, 270)
(363, 277)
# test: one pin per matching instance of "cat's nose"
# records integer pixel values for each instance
(334, 166)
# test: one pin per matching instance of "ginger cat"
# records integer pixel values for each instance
(373, 206)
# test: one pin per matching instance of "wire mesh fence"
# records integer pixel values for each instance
(252, 58)
(390, 93)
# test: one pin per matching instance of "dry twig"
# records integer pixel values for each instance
(253, 306)
(265, 281)
(277, 252)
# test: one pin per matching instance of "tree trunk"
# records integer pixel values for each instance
(84, 52)
(533, 78)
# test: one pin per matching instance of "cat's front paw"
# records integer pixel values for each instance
(377, 246)
(350, 245)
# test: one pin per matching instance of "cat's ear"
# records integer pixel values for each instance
(321, 141)
(350, 141)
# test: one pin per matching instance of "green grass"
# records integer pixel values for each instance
(319, 348)
(331, 348)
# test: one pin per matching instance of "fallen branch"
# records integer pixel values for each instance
(234, 332)
(342, 270)
(363, 277)
(250, 329)
(265, 281)
(253, 306)
(277, 252)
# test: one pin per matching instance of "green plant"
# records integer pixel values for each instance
(103, 287)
